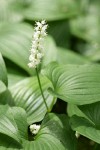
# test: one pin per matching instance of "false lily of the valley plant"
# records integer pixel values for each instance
(49, 94)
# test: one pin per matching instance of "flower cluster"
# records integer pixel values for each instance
(34, 129)
(37, 44)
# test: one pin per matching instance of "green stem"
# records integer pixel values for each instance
(41, 90)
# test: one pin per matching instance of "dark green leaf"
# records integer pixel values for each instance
(85, 128)
(3, 72)
(92, 111)
(88, 124)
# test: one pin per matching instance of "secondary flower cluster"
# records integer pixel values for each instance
(34, 129)
(37, 44)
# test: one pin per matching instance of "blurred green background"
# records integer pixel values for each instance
(73, 35)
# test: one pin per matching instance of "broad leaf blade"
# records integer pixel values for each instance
(26, 94)
(77, 84)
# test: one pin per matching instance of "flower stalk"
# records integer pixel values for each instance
(41, 90)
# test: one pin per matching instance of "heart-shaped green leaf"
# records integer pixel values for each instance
(26, 94)
(77, 84)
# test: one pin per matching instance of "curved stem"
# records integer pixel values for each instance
(41, 90)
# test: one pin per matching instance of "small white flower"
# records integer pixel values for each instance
(39, 24)
(34, 129)
(37, 44)
(39, 55)
(31, 58)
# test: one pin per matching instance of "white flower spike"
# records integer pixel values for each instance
(37, 44)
